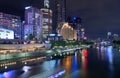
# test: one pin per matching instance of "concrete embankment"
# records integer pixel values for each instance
(18, 48)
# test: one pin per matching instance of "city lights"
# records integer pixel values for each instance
(59, 39)
(28, 7)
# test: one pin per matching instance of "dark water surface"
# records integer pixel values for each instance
(102, 62)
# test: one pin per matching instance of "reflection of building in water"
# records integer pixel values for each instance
(68, 64)
(8, 74)
(58, 75)
(109, 52)
(75, 63)
(101, 52)
(85, 63)
(67, 32)
(49, 65)
(98, 52)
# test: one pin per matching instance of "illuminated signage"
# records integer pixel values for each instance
(6, 34)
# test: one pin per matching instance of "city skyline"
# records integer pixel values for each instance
(98, 17)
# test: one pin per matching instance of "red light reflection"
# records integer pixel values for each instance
(85, 53)
(85, 63)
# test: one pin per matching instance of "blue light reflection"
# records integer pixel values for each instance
(110, 55)
(75, 63)
(58, 74)
(9, 74)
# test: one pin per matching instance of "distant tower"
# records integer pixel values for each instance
(109, 35)
(82, 33)
(46, 4)
(59, 12)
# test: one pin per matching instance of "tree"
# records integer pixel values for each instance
(31, 37)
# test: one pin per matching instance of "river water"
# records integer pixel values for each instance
(100, 62)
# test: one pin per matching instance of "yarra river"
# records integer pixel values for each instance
(100, 62)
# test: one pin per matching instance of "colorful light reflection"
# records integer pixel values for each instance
(58, 74)
(85, 63)
(110, 55)
(9, 74)
(75, 63)
(86, 53)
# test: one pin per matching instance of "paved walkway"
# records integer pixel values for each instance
(19, 46)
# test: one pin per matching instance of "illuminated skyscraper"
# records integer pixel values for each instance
(59, 12)
(47, 19)
(46, 4)
(109, 35)
(33, 22)
(11, 22)
(61, 8)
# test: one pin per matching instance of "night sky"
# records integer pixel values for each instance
(98, 16)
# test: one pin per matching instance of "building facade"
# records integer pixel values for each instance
(47, 19)
(67, 32)
(59, 12)
(11, 22)
(47, 22)
(33, 22)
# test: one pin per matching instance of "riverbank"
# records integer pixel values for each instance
(19, 48)
(9, 58)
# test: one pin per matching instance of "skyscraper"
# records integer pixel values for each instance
(11, 22)
(59, 12)
(47, 19)
(33, 22)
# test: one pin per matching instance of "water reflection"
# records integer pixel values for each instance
(49, 65)
(106, 54)
(109, 51)
(101, 53)
(75, 63)
(85, 63)
(9, 74)
(58, 75)
(110, 54)
(26, 68)
(67, 63)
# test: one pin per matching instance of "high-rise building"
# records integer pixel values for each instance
(46, 4)
(109, 35)
(59, 12)
(82, 33)
(47, 19)
(62, 11)
(11, 22)
(33, 22)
